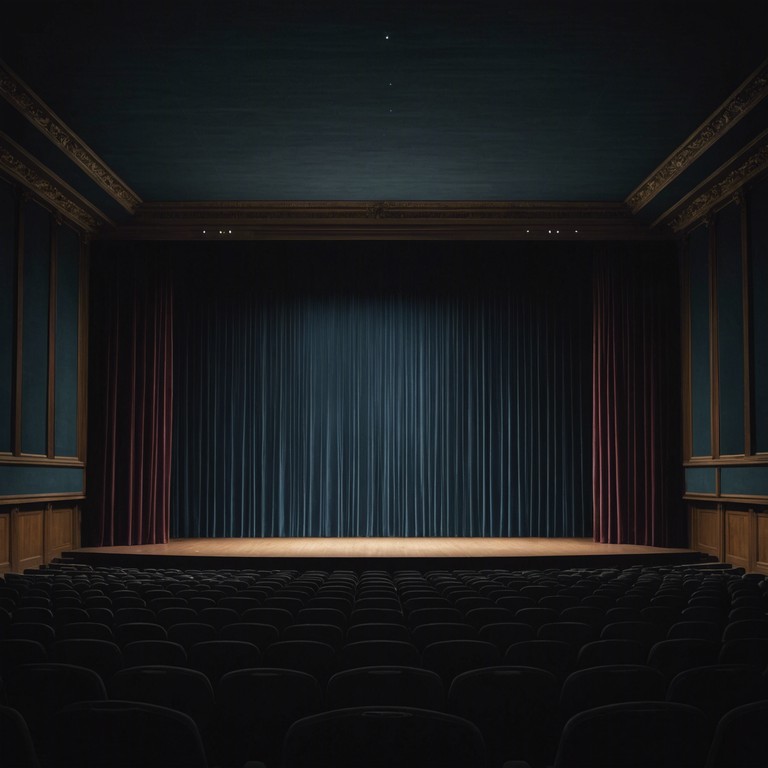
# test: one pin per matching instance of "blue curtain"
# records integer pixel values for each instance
(376, 396)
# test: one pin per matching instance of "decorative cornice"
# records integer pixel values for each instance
(726, 183)
(34, 109)
(246, 220)
(734, 108)
(38, 179)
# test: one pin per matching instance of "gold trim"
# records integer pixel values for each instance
(722, 185)
(23, 168)
(253, 220)
(739, 104)
(34, 109)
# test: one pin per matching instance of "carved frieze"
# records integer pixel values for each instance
(21, 167)
(727, 185)
(738, 104)
(17, 93)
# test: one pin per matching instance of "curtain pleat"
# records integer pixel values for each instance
(635, 398)
(130, 414)
(383, 415)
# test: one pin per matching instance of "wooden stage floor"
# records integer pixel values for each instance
(383, 553)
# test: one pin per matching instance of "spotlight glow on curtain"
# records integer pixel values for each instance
(383, 415)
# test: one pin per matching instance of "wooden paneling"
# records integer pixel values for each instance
(5, 543)
(738, 541)
(706, 531)
(60, 531)
(737, 535)
(27, 542)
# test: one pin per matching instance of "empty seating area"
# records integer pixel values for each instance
(580, 667)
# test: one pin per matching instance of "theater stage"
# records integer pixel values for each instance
(383, 553)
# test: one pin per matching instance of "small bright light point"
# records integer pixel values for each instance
(576, 231)
(550, 231)
(386, 37)
(203, 231)
(528, 230)
(558, 232)
(230, 231)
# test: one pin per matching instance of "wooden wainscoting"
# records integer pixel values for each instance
(733, 534)
(5, 543)
(706, 530)
(62, 531)
(34, 536)
(27, 532)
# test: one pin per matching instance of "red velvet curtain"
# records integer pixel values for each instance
(130, 421)
(636, 461)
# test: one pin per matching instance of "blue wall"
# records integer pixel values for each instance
(728, 349)
(40, 337)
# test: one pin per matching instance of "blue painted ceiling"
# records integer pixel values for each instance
(298, 100)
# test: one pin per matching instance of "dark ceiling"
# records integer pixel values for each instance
(296, 100)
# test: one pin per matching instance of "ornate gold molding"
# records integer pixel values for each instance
(253, 220)
(739, 104)
(727, 182)
(35, 177)
(34, 109)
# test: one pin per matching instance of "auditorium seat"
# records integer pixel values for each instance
(745, 650)
(703, 630)
(33, 616)
(640, 631)
(383, 736)
(434, 616)
(554, 656)
(189, 633)
(718, 688)
(535, 617)
(85, 629)
(260, 635)
(493, 614)
(323, 633)
(610, 684)
(449, 658)
(133, 615)
(39, 691)
(257, 706)
(184, 690)
(126, 734)
(385, 686)
(739, 739)
(513, 707)
(129, 632)
(144, 652)
(14, 652)
(505, 634)
(425, 634)
(366, 653)
(314, 658)
(600, 652)
(671, 657)
(376, 616)
(745, 628)
(171, 615)
(378, 631)
(652, 734)
(574, 633)
(44, 634)
(18, 748)
(217, 657)
(309, 616)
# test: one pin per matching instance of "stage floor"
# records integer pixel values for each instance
(383, 553)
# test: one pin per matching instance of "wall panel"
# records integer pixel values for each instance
(738, 538)
(36, 299)
(61, 531)
(42, 353)
(8, 218)
(27, 543)
(5, 542)
(761, 544)
(757, 217)
(67, 333)
(730, 331)
(700, 337)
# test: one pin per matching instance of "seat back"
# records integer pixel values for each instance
(376, 737)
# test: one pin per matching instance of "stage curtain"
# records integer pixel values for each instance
(636, 393)
(130, 399)
(307, 404)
